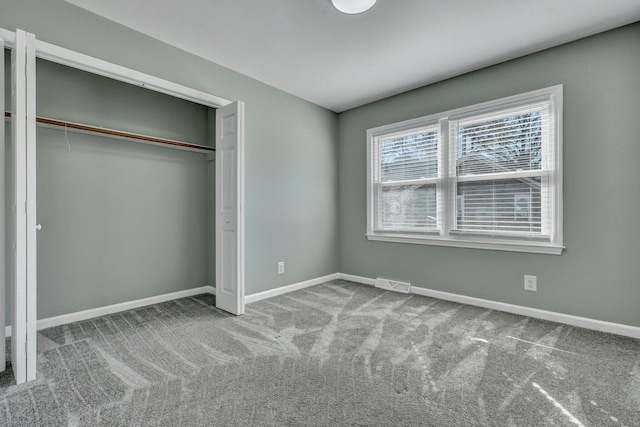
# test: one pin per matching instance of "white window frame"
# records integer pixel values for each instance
(418, 127)
(445, 236)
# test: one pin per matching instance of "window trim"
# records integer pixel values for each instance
(446, 236)
(434, 181)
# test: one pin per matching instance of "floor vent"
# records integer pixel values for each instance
(392, 285)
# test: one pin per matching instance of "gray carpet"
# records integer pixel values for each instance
(336, 354)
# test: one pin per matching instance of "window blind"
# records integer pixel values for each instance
(406, 176)
(486, 176)
(499, 168)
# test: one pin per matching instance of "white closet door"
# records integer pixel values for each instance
(30, 171)
(23, 324)
(230, 208)
(2, 216)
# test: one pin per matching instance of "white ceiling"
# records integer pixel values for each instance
(339, 61)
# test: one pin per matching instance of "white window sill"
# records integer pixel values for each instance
(510, 246)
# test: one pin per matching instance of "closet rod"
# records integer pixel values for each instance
(121, 134)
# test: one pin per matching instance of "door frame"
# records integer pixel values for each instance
(23, 239)
(3, 272)
(70, 58)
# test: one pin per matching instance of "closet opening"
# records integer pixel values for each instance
(118, 220)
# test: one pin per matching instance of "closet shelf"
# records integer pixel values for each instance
(123, 135)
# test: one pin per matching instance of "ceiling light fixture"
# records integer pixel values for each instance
(353, 6)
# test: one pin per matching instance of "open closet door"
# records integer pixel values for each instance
(3, 296)
(23, 227)
(230, 208)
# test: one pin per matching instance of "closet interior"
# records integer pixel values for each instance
(120, 220)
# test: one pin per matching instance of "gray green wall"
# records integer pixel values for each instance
(295, 211)
(598, 275)
(291, 179)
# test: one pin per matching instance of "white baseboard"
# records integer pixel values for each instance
(289, 288)
(582, 322)
(129, 305)
(115, 308)
(357, 279)
(568, 319)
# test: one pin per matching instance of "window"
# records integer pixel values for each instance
(486, 176)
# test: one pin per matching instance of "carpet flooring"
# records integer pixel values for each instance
(336, 354)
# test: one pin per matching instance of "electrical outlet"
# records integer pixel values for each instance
(281, 267)
(530, 283)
